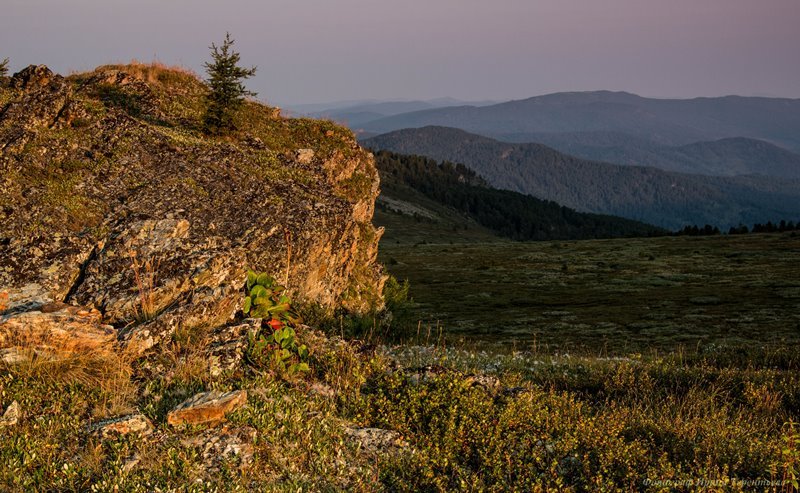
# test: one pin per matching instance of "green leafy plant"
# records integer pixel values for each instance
(280, 349)
(266, 299)
(276, 343)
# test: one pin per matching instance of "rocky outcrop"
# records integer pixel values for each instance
(111, 198)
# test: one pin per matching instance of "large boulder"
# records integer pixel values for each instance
(111, 198)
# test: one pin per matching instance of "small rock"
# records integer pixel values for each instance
(305, 156)
(569, 467)
(377, 439)
(488, 382)
(135, 423)
(207, 407)
(130, 463)
(12, 415)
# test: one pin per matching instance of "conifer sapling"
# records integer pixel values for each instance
(225, 79)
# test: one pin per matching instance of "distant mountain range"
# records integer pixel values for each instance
(731, 156)
(668, 199)
(664, 122)
(356, 113)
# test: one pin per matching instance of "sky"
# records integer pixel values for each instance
(310, 51)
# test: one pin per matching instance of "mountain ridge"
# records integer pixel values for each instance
(666, 199)
(663, 121)
(730, 156)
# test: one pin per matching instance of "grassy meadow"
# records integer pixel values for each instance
(606, 297)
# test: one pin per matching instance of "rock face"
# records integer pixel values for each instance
(110, 197)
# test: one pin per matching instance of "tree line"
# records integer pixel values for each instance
(780, 227)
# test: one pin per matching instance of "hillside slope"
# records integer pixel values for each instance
(456, 199)
(669, 200)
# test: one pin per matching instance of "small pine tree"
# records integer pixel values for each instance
(225, 78)
(4, 68)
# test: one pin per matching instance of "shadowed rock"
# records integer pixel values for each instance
(226, 444)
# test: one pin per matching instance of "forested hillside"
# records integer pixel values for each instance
(509, 214)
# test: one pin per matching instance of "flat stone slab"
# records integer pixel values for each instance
(134, 423)
(207, 407)
(66, 328)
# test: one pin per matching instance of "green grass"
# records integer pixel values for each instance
(536, 423)
(585, 424)
(606, 297)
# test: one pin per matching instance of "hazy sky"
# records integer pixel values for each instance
(325, 50)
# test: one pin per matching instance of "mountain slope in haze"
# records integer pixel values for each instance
(669, 200)
(458, 189)
(356, 114)
(668, 122)
(725, 157)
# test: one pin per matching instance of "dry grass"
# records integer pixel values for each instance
(42, 356)
(145, 274)
(152, 72)
(186, 355)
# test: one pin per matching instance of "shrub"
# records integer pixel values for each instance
(275, 345)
